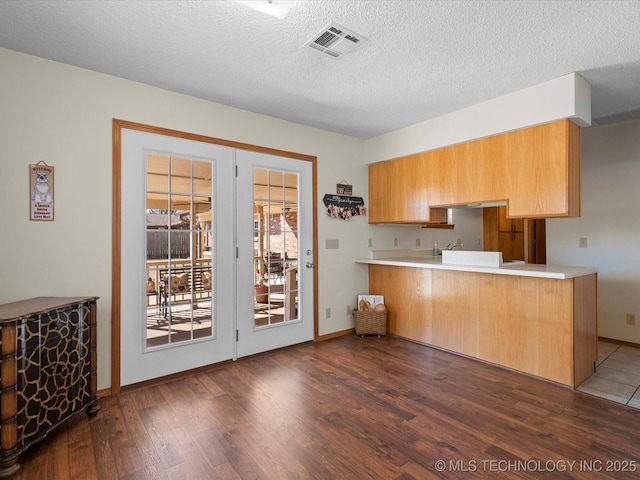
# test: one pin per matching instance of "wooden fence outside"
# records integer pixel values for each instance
(158, 244)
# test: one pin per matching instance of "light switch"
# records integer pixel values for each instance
(583, 242)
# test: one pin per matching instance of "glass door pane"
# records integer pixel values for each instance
(179, 245)
(275, 207)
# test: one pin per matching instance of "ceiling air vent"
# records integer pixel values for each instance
(616, 117)
(335, 40)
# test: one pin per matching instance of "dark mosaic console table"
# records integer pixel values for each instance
(47, 368)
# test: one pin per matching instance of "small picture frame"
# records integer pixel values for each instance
(344, 188)
(41, 192)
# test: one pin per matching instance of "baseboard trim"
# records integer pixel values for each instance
(341, 333)
(105, 392)
(619, 342)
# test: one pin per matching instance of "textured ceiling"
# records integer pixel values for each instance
(422, 59)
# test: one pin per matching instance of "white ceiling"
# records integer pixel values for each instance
(422, 59)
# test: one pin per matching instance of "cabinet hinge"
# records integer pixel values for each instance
(237, 252)
(237, 335)
(236, 170)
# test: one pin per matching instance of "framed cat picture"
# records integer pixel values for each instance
(41, 191)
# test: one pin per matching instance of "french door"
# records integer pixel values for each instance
(202, 227)
(176, 262)
(275, 252)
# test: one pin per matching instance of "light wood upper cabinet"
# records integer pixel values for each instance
(400, 191)
(536, 170)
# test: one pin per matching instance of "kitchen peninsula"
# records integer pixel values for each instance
(536, 319)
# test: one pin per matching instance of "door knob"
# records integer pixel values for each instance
(309, 265)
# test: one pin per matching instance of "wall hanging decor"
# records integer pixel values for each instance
(343, 206)
(41, 191)
(343, 188)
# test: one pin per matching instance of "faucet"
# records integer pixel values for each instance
(453, 246)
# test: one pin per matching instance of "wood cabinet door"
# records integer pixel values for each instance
(511, 244)
(378, 178)
(397, 191)
(537, 241)
(506, 224)
(490, 229)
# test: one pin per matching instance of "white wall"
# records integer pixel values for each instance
(468, 228)
(62, 115)
(610, 222)
(568, 96)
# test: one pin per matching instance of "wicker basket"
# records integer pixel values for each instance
(370, 322)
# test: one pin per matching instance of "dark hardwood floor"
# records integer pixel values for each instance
(346, 408)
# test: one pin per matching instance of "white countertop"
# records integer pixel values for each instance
(421, 259)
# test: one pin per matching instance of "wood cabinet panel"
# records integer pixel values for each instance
(407, 296)
(536, 170)
(585, 326)
(402, 185)
(379, 186)
(539, 175)
(455, 324)
(507, 224)
(490, 231)
(536, 239)
(480, 169)
(503, 234)
(540, 326)
(511, 244)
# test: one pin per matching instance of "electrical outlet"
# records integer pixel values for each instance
(395, 242)
(370, 242)
(458, 241)
(349, 310)
(417, 242)
(631, 319)
(328, 313)
(583, 242)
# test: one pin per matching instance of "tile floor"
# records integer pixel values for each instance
(617, 376)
